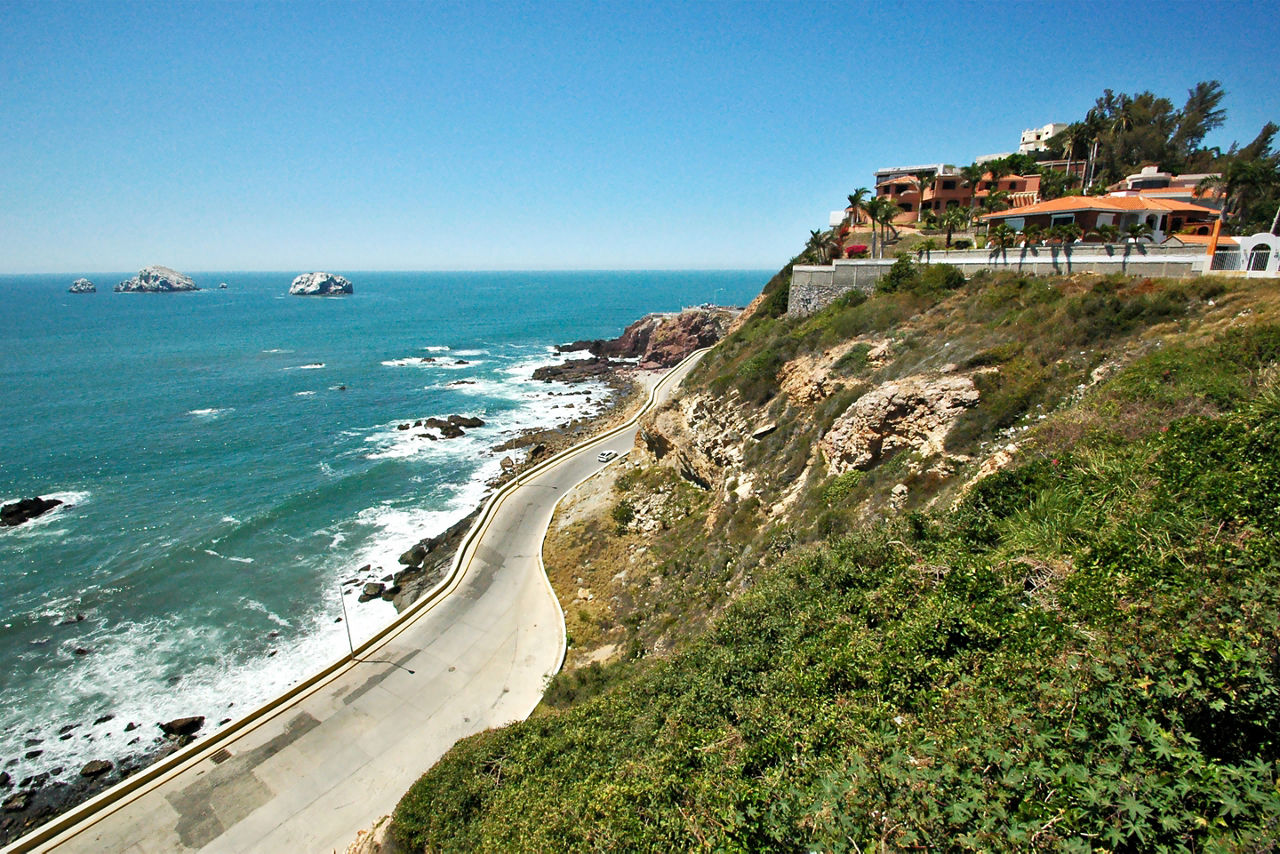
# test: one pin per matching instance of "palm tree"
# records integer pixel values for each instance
(1070, 136)
(972, 177)
(923, 181)
(1239, 185)
(954, 219)
(1002, 237)
(1108, 233)
(1070, 232)
(857, 204)
(998, 168)
(887, 212)
(872, 208)
(1033, 234)
(996, 201)
(819, 247)
(1137, 231)
(925, 250)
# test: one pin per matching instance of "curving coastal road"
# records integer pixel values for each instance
(308, 771)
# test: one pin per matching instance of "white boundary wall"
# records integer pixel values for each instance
(815, 287)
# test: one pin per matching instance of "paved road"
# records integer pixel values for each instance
(311, 773)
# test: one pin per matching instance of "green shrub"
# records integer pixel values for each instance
(902, 276)
(941, 277)
(841, 487)
(622, 514)
(854, 361)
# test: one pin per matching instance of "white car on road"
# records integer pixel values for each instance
(605, 456)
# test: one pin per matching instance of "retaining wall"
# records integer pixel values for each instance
(815, 287)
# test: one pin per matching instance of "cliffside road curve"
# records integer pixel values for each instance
(307, 772)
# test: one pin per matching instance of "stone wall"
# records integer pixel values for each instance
(815, 287)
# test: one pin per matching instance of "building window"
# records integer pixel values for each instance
(906, 206)
(948, 185)
(1062, 219)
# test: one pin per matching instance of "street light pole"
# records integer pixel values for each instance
(345, 621)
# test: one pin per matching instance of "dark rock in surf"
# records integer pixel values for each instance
(183, 726)
(96, 768)
(26, 510)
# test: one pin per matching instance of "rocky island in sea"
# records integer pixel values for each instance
(82, 286)
(156, 279)
(319, 285)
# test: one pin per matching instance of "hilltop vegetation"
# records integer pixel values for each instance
(1058, 629)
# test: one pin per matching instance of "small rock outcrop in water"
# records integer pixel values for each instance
(26, 510)
(319, 284)
(96, 768)
(82, 286)
(154, 280)
(182, 726)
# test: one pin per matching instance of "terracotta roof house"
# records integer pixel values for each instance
(1150, 181)
(1164, 216)
(950, 190)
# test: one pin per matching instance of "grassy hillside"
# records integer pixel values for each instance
(1078, 651)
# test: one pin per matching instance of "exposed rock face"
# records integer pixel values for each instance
(914, 413)
(82, 286)
(26, 510)
(156, 279)
(697, 435)
(319, 284)
(662, 340)
(810, 379)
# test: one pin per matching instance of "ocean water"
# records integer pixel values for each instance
(230, 457)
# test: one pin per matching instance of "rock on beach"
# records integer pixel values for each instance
(319, 284)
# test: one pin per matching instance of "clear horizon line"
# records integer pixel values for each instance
(353, 270)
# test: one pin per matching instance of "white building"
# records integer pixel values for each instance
(1036, 139)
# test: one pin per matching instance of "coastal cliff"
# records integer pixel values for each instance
(871, 563)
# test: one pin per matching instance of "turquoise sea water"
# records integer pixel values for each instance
(220, 483)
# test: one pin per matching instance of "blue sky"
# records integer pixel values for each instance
(558, 135)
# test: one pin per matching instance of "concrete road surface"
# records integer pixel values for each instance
(309, 772)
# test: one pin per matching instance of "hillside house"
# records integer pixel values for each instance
(1164, 216)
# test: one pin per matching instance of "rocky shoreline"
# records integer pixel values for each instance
(30, 802)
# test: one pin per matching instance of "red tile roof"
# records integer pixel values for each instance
(1107, 204)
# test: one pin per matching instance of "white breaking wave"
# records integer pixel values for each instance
(313, 366)
(229, 557)
(210, 413)
(412, 361)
